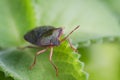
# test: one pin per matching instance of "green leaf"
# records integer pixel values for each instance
(98, 23)
(3, 77)
(15, 63)
(102, 60)
(21, 16)
(114, 7)
(96, 20)
(16, 17)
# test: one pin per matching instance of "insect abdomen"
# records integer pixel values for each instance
(36, 34)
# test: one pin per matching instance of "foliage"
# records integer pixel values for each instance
(99, 22)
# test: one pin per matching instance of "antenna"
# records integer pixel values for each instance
(70, 33)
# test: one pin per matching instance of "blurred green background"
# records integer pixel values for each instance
(98, 38)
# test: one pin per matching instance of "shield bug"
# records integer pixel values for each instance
(46, 37)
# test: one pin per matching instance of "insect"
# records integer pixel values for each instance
(46, 37)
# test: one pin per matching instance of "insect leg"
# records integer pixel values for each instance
(72, 45)
(50, 58)
(39, 52)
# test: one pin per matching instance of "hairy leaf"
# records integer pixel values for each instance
(15, 63)
(94, 17)
(16, 17)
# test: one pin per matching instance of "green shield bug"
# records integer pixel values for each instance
(47, 37)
